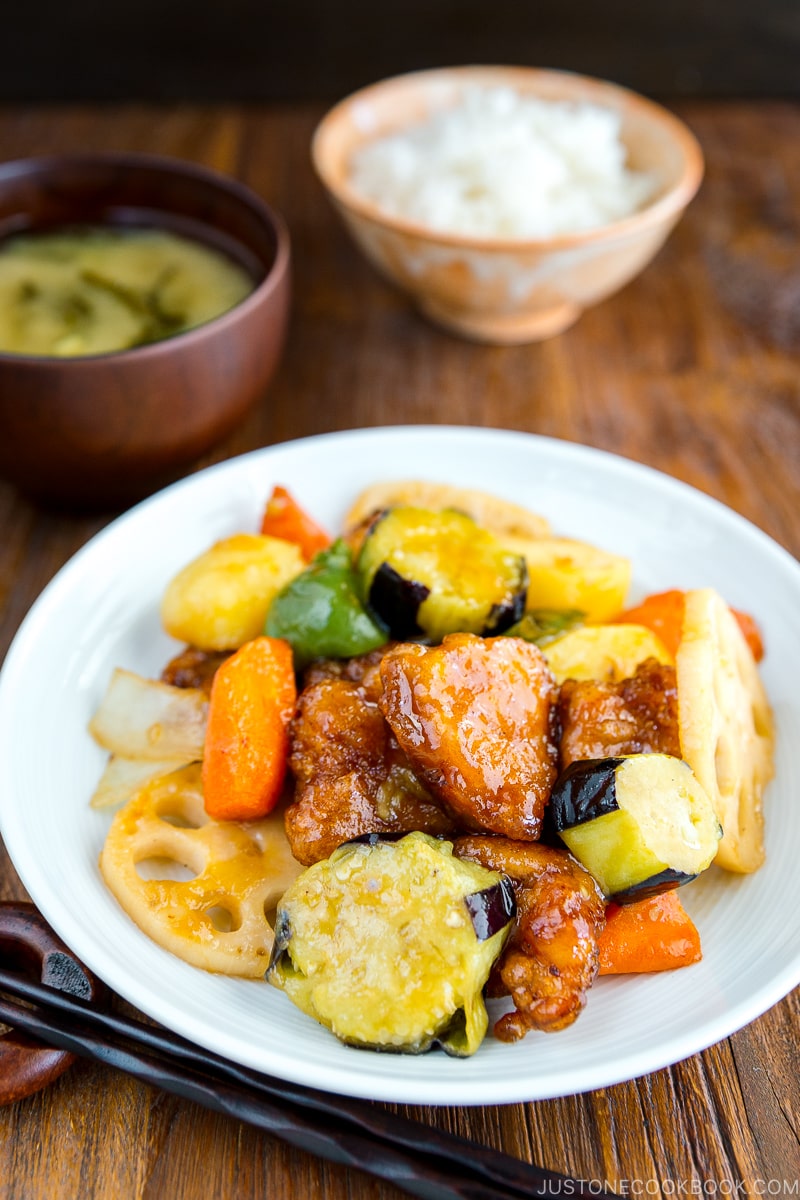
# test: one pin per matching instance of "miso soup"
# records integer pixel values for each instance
(100, 289)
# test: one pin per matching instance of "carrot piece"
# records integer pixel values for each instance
(247, 739)
(752, 634)
(656, 934)
(284, 518)
(663, 614)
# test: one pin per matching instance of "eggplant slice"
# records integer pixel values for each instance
(640, 824)
(389, 943)
(427, 574)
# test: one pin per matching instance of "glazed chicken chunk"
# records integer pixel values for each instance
(351, 776)
(364, 669)
(194, 668)
(475, 717)
(552, 957)
(603, 719)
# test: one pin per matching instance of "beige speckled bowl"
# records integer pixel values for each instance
(496, 289)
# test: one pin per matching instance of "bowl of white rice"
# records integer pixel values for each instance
(505, 200)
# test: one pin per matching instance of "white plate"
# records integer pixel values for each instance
(101, 611)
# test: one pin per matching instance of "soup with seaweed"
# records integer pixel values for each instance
(96, 290)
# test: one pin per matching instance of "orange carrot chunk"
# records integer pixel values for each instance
(656, 934)
(752, 634)
(663, 614)
(284, 518)
(247, 740)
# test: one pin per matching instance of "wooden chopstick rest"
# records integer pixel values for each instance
(29, 945)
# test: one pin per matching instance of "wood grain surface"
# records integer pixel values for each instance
(692, 369)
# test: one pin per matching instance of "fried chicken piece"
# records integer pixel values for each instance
(364, 669)
(552, 957)
(638, 715)
(476, 718)
(352, 777)
(194, 668)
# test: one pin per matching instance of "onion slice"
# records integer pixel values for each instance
(123, 777)
(142, 718)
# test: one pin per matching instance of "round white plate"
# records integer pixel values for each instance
(101, 611)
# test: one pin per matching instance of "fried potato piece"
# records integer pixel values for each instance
(603, 652)
(726, 725)
(217, 919)
(603, 718)
(552, 957)
(476, 718)
(351, 776)
(220, 599)
(564, 573)
(493, 513)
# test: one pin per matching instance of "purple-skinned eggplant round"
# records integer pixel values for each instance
(389, 943)
(396, 602)
(641, 824)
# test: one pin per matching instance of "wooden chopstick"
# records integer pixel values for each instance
(416, 1158)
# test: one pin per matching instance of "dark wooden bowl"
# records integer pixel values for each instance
(108, 429)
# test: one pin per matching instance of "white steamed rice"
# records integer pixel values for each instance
(502, 164)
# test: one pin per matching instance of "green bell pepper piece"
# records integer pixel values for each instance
(320, 612)
(543, 625)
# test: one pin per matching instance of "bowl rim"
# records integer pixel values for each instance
(665, 206)
(270, 216)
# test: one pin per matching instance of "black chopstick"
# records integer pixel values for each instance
(419, 1159)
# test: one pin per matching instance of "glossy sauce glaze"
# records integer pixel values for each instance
(475, 717)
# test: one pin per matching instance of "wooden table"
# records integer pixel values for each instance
(692, 369)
